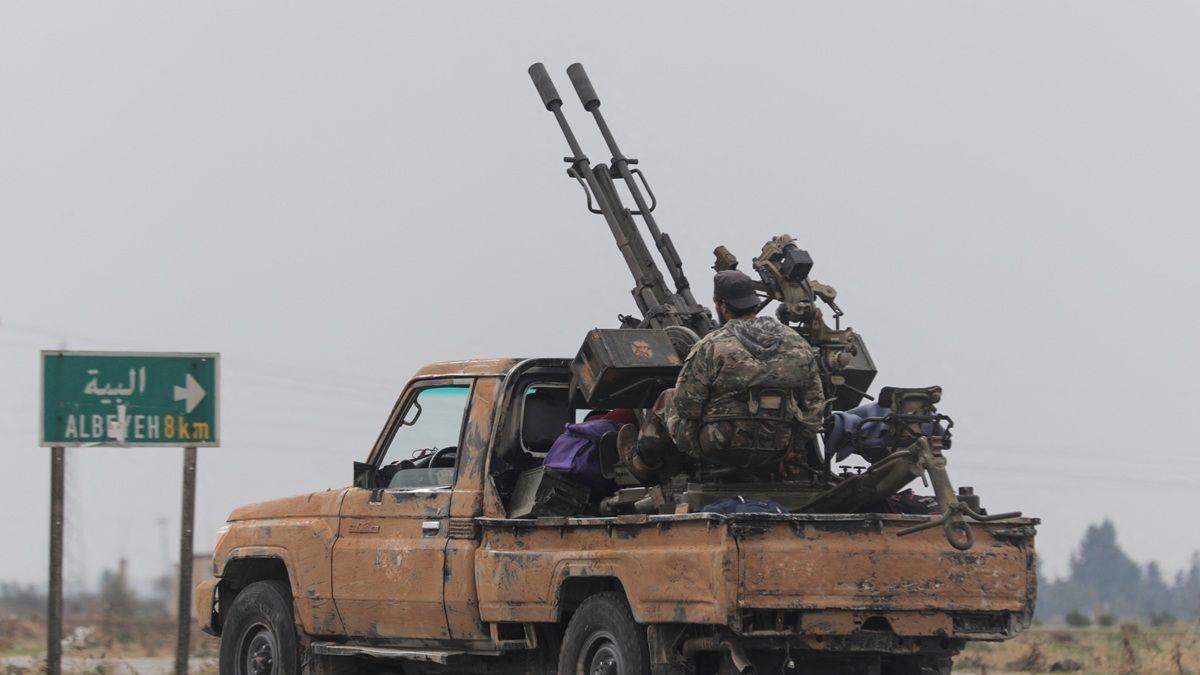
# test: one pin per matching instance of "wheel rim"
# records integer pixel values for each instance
(600, 656)
(258, 653)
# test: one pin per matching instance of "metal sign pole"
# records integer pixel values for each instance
(187, 518)
(54, 598)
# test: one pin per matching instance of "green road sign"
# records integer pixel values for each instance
(129, 398)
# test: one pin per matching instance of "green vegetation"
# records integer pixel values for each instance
(1105, 585)
(1077, 619)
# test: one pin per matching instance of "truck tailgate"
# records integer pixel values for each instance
(856, 562)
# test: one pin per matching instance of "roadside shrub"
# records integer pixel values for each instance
(1129, 658)
(1032, 661)
(1077, 619)
(1106, 620)
(1062, 636)
(1161, 619)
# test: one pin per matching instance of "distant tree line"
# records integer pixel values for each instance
(1104, 582)
(115, 597)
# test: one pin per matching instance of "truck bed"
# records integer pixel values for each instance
(767, 574)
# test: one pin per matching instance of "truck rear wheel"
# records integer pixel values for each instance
(603, 639)
(259, 633)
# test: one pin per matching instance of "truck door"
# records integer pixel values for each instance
(389, 556)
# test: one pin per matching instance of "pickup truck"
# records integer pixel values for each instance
(420, 568)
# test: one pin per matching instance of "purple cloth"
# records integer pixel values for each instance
(576, 453)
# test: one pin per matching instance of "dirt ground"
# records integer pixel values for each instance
(23, 665)
(102, 646)
(145, 647)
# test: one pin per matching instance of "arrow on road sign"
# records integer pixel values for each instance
(191, 392)
(118, 429)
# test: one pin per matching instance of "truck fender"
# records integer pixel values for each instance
(245, 554)
(574, 582)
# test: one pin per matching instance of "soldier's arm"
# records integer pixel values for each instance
(814, 391)
(811, 395)
(694, 383)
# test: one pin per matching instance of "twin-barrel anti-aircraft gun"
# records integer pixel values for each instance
(630, 366)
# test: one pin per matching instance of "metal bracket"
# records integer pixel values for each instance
(579, 179)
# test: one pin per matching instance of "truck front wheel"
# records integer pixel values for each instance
(603, 639)
(259, 634)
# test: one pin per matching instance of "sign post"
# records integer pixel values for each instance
(127, 399)
(54, 598)
(186, 522)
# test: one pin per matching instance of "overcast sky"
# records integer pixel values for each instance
(333, 194)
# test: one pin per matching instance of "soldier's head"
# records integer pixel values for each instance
(734, 296)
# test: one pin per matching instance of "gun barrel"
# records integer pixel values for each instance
(583, 87)
(702, 322)
(651, 292)
(545, 86)
(553, 102)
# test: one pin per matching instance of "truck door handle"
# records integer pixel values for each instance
(430, 527)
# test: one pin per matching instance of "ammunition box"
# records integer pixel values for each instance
(624, 367)
(543, 493)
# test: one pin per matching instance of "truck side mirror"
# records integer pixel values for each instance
(364, 475)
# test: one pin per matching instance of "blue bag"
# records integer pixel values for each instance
(742, 505)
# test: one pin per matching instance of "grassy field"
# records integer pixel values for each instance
(1119, 650)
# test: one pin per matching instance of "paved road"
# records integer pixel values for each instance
(138, 666)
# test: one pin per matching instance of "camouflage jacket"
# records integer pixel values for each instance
(728, 398)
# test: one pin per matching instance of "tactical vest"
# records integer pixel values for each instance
(773, 424)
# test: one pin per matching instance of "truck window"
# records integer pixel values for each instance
(423, 449)
(545, 411)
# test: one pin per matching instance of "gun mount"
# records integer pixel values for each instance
(914, 434)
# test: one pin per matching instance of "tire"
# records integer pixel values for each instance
(259, 634)
(603, 639)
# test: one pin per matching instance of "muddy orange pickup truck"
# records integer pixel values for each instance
(420, 566)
